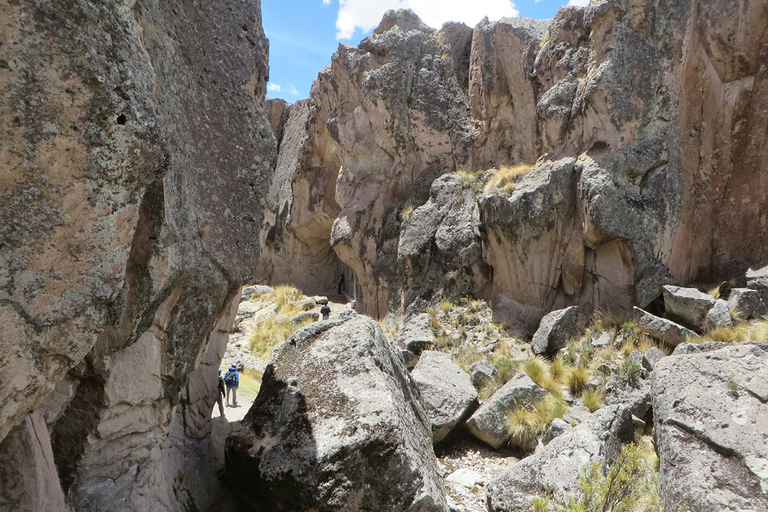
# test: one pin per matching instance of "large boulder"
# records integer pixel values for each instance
(687, 306)
(416, 335)
(446, 391)
(719, 316)
(662, 329)
(744, 303)
(710, 412)
(482, 372)
(489, 422)
(337, 425)
(555, 330)
(555, 469)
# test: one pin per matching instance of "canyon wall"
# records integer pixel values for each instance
(130, 199)
(644, 122)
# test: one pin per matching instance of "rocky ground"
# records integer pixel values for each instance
(468, 467)
(611, 363)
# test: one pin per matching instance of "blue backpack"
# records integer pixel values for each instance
(229, 379)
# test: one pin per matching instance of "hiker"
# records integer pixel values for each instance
(325, 310)
(340, 287)
(232, 381)
(220, 393)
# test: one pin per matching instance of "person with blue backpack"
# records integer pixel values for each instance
(232, 381)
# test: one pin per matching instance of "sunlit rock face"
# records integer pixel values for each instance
(643, 121)
(137, 158)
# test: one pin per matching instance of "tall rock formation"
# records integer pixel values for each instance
(136, 157)
(642, 119)
(382, 122)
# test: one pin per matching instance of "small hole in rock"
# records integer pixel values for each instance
(121, 119)
(598, 148)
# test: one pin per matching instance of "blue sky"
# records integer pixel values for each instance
(303, 34)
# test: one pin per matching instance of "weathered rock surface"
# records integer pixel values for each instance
(306, 316)
(416, 335)
(757, 279)
(439, 243)
(28, 476)
(130, 196)
(556, 467)
(556, 428)
(621, 200)
(688, 306)
(489, 422)
(651, 357)
(745, 304)
(482, 372)
(662, 329)
(710, 423)
(501, 92)
(719, 316)
(635, 396)
(555, 330)
(382, 122)
(337, 425)
(532, 225)
(446, 392)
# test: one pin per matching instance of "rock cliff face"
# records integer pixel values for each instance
(128, 201)
(383, 121)
(643, 120)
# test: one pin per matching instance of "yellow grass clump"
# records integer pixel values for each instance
(576, 379)
(506, 178)
(527, 424)
(537, 369)
(269, 333)
(593, 398)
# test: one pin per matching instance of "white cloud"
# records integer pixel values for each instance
(293, 90)
(274, 87)
(579, 3)
(365, 15)
(326, 2)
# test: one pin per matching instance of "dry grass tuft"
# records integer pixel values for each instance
(557, 369)
(506, 178)
(269, 333)
(527, 424)
(537, 369)
(576, 379)
(593, 398)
